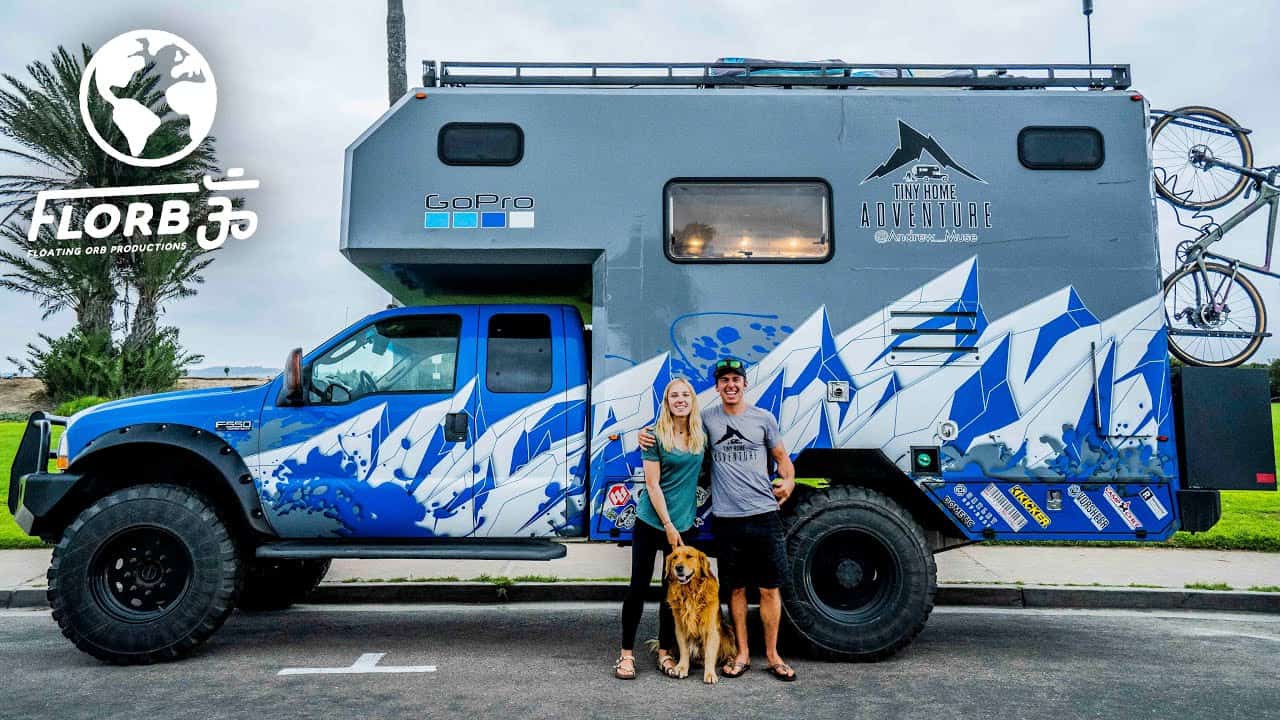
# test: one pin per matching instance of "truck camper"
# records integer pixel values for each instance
(944, 280)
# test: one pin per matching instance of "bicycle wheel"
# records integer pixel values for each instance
(1215, 316)
(1181, 137)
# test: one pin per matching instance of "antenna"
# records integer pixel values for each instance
(1088, 29)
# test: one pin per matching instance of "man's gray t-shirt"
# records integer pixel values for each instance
(740, 444)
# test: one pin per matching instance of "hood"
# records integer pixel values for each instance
(202, 408)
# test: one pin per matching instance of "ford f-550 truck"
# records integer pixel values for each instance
(945, 282)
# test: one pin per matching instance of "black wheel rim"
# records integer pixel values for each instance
(140, 574)
(850, 575)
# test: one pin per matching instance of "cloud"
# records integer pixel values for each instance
(299, 82)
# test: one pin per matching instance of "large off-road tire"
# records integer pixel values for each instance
(860, 575)
(277, 584)
(144, 575)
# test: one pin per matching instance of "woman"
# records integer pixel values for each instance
(665, 510)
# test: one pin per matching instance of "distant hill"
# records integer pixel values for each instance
(253, 371)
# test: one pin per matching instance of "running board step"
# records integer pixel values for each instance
(433, 549)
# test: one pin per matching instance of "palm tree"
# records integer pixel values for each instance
(397, 77)
(42, 119)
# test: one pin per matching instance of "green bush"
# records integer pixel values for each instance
(77, 365)
(71, 407)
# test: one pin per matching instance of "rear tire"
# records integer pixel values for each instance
(144, 575)
(1181, 181)
(278, 584)
(861, 576)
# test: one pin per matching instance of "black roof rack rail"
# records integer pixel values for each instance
(773, 74)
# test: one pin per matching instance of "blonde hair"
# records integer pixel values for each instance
(666, 427)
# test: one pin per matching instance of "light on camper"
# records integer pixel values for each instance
(746, 241)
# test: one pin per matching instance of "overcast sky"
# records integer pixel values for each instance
(297, 82)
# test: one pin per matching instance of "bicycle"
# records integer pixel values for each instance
(1214, 314)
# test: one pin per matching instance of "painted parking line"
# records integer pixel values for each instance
(365, 664)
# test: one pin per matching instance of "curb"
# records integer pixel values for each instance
(1007, 596)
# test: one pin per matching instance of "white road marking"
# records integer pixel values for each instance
(365, 664)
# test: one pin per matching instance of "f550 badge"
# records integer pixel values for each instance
(233, 425)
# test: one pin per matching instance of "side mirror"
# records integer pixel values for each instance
(293, 392)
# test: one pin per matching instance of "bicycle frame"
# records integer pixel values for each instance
(1267, 195)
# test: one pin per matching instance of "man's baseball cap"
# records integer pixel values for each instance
(729, 366)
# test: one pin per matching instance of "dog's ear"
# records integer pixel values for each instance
(704, 564)
(666, 567)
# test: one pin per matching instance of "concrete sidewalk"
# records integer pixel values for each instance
(977, 564)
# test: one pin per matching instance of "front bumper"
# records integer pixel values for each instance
(33, 492)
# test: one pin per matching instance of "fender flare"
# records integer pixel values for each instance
(209, 446)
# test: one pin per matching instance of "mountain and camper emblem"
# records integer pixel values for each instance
(732, 436)
(912, 145)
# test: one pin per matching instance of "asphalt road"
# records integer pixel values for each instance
(555, 661)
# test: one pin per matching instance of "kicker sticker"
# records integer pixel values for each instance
(1090, 510)
(1121, 506)
(1032, 508)
(1153, 503)
(1016, 520)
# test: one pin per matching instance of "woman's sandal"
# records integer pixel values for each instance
(667, 666)
(625, 673)
(783, 672)
(736, 669)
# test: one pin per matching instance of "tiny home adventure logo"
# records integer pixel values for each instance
(184, 81)
(926, 206)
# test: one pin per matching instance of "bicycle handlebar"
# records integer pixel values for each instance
(1267, 175)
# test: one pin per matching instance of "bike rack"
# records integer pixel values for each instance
(1184, 120)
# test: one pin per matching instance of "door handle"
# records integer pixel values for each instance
(455, 427)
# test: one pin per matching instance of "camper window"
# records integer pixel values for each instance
(1060, 148)
(748, 220)
(480, 144)
(519, 353)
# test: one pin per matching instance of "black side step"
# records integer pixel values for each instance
(433, 549)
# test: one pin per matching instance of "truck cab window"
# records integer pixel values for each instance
(410, 354)
(748, 220)
(519, 353)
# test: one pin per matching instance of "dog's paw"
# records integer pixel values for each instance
(682, 669)
(710, 677)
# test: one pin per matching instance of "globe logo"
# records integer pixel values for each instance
(185, 79)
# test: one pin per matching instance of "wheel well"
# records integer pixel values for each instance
(143, 463)
(873, 470)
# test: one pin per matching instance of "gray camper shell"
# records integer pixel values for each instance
(957, 258)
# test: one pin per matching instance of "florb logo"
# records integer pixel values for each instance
(178, 93)
(183, 77)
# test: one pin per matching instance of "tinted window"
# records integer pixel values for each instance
(519, 353)
(748, 221)
(414, 353)
(481, 144)
(1060, 148)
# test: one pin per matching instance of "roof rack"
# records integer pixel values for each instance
(773, 74)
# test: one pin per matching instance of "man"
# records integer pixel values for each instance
(745, 504)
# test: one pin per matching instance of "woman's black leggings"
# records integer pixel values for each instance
(645, 541)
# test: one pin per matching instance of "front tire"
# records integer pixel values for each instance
(861, 576)
(144, 575)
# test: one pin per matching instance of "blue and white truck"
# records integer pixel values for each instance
(945, 281)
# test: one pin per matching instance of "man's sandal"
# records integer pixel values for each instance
(627, 673)
(667, 666)
(736, 669)
(783, 672)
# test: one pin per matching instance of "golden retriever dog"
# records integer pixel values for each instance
(694, 596)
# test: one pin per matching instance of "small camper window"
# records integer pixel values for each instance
(480, 144)
(748, 220)
(519, 353)
(1060, 148)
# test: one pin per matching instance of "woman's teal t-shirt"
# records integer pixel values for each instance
(678, 479)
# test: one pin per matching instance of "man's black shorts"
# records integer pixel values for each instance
(752, 551)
